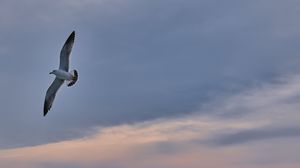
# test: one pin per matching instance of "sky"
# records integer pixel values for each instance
(162, 83)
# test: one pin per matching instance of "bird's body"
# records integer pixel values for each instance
(62, 74)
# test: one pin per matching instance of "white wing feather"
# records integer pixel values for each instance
(63, 65)
(50, 95)
(66, 52)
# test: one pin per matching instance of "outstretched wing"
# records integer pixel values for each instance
(50, 95)
(65, 52)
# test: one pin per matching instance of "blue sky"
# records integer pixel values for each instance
(145, 64)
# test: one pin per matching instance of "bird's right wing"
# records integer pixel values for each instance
(65, 52)
(50, 95)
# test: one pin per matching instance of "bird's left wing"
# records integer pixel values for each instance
(65, 52)
(50, 95)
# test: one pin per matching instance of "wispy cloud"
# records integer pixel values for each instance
(154, 61)
(256, 135)
(138, 60)
(159, 143)
(268, 114)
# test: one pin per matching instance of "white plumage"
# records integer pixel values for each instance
(62, 74)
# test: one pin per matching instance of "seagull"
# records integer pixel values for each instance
(62, 74)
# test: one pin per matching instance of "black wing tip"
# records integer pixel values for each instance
(72, 34)
(45, 112)
(46, 109)
(71, 37)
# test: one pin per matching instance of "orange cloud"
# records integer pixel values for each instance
(132, 146)
(179, 142)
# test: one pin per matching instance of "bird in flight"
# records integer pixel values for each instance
(62, 74)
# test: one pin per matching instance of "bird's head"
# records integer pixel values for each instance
(53, 72)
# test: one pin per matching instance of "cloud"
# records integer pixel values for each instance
(264, 134)
(139, 145)
(254, 135)
(158, 80)
(137, 60)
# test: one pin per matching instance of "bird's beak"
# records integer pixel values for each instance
(50, 73)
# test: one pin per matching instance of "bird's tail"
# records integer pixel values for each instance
(75, 78)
